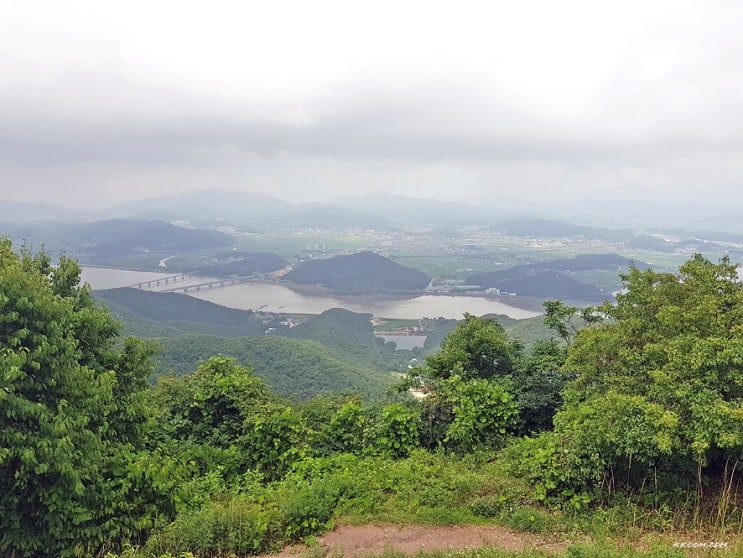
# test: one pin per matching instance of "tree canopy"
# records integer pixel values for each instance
(476, 348)
(470, 402)
(72, 415)
(660, 383)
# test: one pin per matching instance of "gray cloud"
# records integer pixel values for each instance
(659, 115)
(426, 123)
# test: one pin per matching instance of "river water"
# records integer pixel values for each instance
(278, 298)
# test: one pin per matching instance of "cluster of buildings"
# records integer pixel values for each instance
(452, 287)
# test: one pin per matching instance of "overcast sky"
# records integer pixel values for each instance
(490, 102)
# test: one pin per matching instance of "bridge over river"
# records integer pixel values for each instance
(189, 282)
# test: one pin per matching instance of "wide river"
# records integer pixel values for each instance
(268, 297)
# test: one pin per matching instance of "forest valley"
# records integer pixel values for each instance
(630, 423)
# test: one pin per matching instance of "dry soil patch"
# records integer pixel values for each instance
(348, 541)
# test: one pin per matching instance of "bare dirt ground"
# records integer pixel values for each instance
(349, 541)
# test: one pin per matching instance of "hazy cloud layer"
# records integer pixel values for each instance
(487, 102)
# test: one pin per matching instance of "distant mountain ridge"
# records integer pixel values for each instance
(120, 237)
(33, 211)
(212, 203)
(331, 217)
(243, 214)
(586, 262)
(373, 210)
(554, 228)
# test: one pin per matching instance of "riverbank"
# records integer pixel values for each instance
(281, 298)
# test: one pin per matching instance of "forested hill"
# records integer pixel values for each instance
(335, 351)
(363, 272)
(292, 367)
(347, 332)
(540, 284)
(150, 314)
(552, 280)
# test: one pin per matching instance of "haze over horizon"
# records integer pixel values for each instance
(493, 103)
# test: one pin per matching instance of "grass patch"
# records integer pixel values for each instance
(289, 246)
(529, 519)
(585, 550)
(430, 489)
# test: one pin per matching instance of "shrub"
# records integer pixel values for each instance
(491, 505)
(397, 435)
(310, 510)
(553, 473)
(230, 524)
(528, 519)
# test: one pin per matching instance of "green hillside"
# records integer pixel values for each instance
(552, 279)
(292, 367)
(349, 334)
(334, 351)
(135, 325)
(211, 203)
(434, 339)
(538, 284)
(529, 331)
(179, 312)
(363, 272)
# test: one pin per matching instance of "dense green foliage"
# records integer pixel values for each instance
(214, 461)
(349, 334)
(481, 386)
(290, 366)
(476, 348)
(540, 382)
(222, 409)
(566, 321)
(73, 473)
(659, 389)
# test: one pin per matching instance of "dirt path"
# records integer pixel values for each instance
(348, 541)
